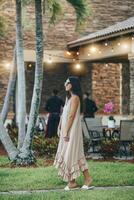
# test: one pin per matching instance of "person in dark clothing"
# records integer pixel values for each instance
(89, 106)
(53, 106)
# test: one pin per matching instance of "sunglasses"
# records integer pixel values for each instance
(67, 83)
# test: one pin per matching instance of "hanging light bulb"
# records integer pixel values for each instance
(132, 37)
(30, 65)
(106, 44)
(68, 53)
(125, 46)
(100, 52)
(78, 66)
(73, 59)
(118, 43)
(112, 50)
(89, 54)
(77, 53)
(7, 65)
(93, 49)
(49, 60)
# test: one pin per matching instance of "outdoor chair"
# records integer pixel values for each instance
(94, 129)
(126, 136)
(41, 124)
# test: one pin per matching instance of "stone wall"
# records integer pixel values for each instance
(102, 14)
(4, 76)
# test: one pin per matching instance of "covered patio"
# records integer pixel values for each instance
(112, 45)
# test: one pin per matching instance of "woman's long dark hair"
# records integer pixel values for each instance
(76, 89)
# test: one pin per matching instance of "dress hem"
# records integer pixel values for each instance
(69, 174)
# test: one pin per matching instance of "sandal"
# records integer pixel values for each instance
(85, 187)
(67, 188)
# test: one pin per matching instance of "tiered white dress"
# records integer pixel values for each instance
(70, 158)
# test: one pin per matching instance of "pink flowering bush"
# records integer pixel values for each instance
(108, 107)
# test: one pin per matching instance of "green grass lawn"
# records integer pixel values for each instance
(103, 174)
(115, 194)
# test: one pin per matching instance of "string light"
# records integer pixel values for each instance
(49, 61)
(106, 65)
(77, 66)
(7, 65)
(30, 65)
(112, 50)
(93, 49)
(106, 44)
(125, 46)
(68, 53)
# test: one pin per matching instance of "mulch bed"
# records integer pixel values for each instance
(2, 150)
(49, 162)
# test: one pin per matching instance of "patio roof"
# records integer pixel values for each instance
(117, 29)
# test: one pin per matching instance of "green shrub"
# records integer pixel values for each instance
(132, 148)
(45, 146)
(13, 132)
(109, 148)
(86, 143)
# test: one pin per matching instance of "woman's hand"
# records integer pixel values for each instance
(66, 139)
(59, 127)
(65, 136)
(58, 131)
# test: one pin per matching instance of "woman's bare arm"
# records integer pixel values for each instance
(73, 109)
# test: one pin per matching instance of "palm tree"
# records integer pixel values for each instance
(26, 149)
(25, 152)
(10, 88)
(7, 142)
(4, 136)
(20, 75)
(55, 8)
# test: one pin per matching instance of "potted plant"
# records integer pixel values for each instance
(108, 108)
(111, 122)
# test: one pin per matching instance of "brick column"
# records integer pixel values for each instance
(125, 94)
(131, 64)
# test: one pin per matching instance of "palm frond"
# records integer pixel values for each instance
(1, 2)
(54, 8)
(82, 10)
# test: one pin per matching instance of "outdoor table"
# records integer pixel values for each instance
(110, 133)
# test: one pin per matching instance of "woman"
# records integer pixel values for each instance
(70, 159)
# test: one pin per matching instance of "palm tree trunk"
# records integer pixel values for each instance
(26, 149)
(10, 89)
(14, 99)
(20, 75)
(7, 143)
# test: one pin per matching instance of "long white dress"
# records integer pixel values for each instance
(70, 158)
